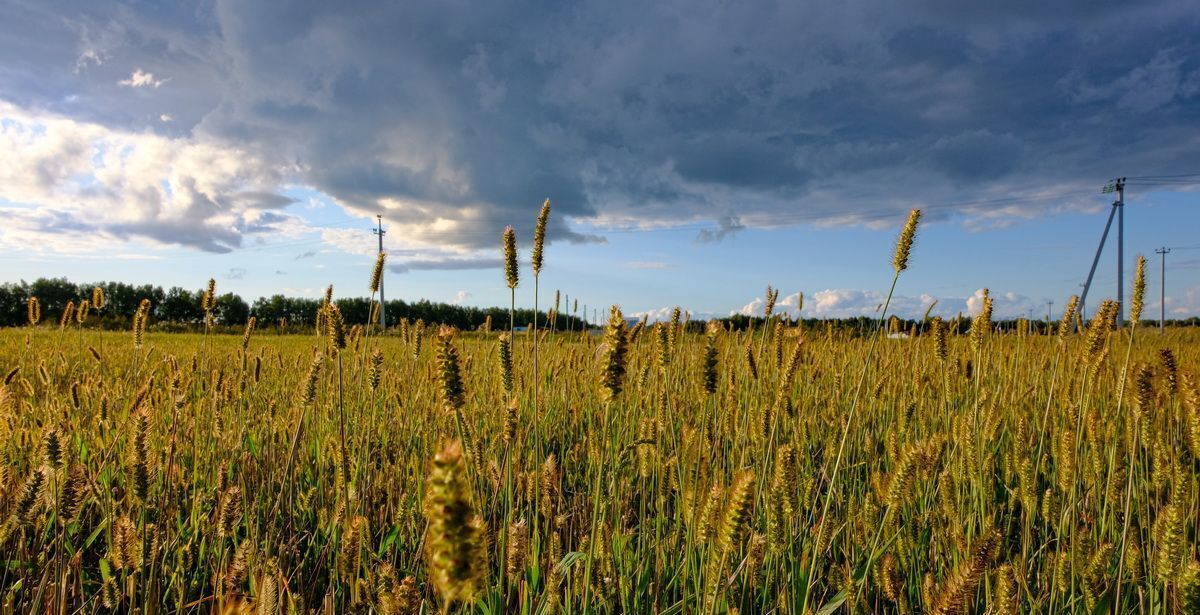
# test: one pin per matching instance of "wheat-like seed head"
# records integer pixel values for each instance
(510, 423)
(67, 314)
(375, 375)
(1007, 600)
(1139, 291)
(74, 492)
(751, 364)
(1169, 541)
(377, 272)
(737, 511)
(539, 237)
(709, 374)
(449, 371)
(52, 448)
(518, 549)
(250, 324)
(1068, 318)
(1097, 331)
(940, 347)
(350, 556)
(615, 342)
(34, 311)
(30, 499)
(209, 297)
(981, 324)
(335, 327)
(140, 459)
(1170, 370)
(511, 271)
(141, 318)
(126, 552)
(905, 241)
(958, 593)
(308, 390)
(676, 329)
(890, 582)
(1189, 588)
(229, 515)
(506, 362)
(454, 539)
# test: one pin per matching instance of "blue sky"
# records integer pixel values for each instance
(693, 155)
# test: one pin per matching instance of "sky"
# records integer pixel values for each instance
(694, 151)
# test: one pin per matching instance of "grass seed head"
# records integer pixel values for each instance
(33, 311)
(454, 538)
(615, 342)
(377, 272)
(905, 241)
(511, 270)
(1139, 291)
(449, 371)
(1068, 318)
(506, 362)
(539, 237)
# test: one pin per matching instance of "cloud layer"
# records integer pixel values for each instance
(92, 184)
(459, 118)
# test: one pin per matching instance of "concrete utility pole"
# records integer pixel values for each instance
(1162, 288)
(1120, 205)
(382, 304)
(1118, 211)
(1082, 308)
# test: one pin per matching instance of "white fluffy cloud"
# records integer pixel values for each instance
(70, 182)
(663, 314)
(850, 303)
(142, 79)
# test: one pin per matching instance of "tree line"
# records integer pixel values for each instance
(181, 307)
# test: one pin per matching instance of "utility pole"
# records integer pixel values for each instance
(1162, 288)
(1049, 315)
(1117, 211)
(1120, 205)
(1082, 308)
(378, 230)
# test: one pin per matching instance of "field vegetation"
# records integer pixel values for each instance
(779, 469)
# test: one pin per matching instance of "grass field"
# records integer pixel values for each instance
(658, 472)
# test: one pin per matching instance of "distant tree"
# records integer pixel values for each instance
(230, 309)
(53, 293)
(13, 298)
(180, 305)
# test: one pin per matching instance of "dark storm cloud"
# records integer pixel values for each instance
(681, 111)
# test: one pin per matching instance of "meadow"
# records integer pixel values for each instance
(779, 469)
